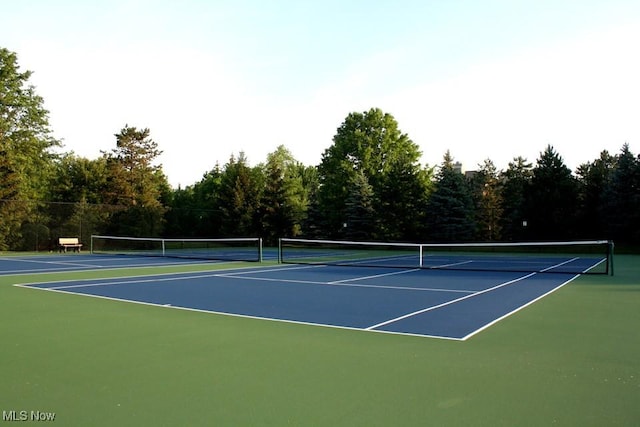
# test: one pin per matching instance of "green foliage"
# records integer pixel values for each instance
(12, 211)
(552, 199)
(486, 188)
(369, 143)
(76, 203)
(515, 184)
(450, 207)
(240, 192)
(284, 201)
(594, 179)
(131, 169)
(205, 205)
(135, 182)
(401, 203)
(360, 223)
(25, 149)
(622, 198)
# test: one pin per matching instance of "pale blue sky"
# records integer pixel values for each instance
(484, 79)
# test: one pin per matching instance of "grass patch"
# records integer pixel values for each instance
(572, 358)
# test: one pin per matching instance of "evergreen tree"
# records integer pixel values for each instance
(402, 201)
(360, 222)
(515, 186)
(450, 206)
(240, 193)
(205, 206)
(594, 178)
(622, 199)
(487, 196)
(552, 200)
(135, 182)
(182, 218)
(283, 201)
(314, 225)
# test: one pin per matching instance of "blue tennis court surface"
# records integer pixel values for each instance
(430, 303)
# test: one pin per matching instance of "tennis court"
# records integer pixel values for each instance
(423, 301)
(149, 350)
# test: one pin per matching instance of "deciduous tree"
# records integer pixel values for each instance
(369, 143)
(25, 149)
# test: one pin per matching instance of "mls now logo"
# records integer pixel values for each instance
(28, 416)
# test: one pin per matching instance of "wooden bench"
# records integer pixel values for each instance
(65, 243)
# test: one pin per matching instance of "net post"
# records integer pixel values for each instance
(163, 248)
(610, 254)
(91, 245)
(420, 252)
(280, 251)
(260, 249)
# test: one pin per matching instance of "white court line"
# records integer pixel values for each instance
(493, 322)
(173, 273)
(343, 282)
(424, 310)
(101, 268)
(242, 316)
(335, 282)
(450, 265)
(347, 285)
(229, 276)
(586, 270)
(150, 279)
(38, 261)
(160, 277)
(124, 282)
(269, 269)
(558, 265)
(235, 274)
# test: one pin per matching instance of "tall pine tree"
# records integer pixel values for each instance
(622, 199)
(360, 222)
(552, 200)
(515, 187)
(487, 196)
(450, 207)
(136, 183)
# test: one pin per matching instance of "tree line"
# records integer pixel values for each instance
(369, 185)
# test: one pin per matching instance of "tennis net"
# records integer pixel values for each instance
(231, 249)
(579, 257)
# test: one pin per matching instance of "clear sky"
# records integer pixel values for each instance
(484, 79)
